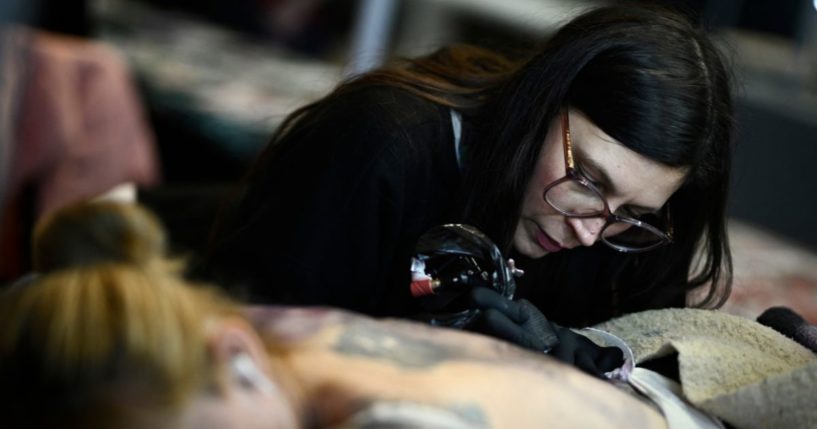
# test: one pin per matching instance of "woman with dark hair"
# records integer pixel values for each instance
(600, 164)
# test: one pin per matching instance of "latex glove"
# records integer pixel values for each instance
(519, 322)
(578, 350)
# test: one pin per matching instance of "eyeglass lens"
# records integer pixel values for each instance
(629, 235)
(573, 198)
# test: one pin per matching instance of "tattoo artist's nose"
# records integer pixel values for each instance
(587, 230)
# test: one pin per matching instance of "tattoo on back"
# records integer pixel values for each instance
(373, 341)
(407, 414)
(421, 347)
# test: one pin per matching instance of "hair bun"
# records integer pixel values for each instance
(95, 232)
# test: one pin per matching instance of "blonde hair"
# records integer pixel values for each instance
(92, 344)
(93, 232)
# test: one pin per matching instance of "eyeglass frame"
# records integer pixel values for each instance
(572, 173)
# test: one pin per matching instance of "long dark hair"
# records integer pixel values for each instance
(653, 82)
(644, 75)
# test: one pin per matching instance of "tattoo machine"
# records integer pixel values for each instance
(449, 261)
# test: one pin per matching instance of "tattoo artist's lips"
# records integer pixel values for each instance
(550, 245)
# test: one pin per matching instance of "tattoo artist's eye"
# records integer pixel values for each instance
(590, 178)
(628, 211)
(637, 213)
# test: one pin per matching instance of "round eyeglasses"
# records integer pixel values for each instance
(575, 196)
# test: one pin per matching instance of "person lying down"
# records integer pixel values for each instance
(109, 334)
(117, 338)
(112, 345)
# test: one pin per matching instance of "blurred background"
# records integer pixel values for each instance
(168, 101)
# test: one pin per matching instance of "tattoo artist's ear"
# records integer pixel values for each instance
(237, 349)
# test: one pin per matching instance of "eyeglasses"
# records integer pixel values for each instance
(574, 195)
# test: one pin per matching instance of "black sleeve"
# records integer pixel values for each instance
(333, 219)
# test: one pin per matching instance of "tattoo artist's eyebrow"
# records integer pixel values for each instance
(600, 174)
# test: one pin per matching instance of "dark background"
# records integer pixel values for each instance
(773, 181)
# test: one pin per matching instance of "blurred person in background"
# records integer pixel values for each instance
(600, 163)
(73, 125)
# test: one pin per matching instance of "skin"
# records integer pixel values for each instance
(634, 181)
(256, 393)
(344, 362)
(238, 408)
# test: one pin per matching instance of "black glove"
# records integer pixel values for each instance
(579, 351)
(521, 323)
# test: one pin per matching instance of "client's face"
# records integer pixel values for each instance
(245, 399)
(245, 408)
(251, 392)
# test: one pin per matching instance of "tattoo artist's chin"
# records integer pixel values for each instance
(526, 245)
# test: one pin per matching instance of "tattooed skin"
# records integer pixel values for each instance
(287, 325)
(373, 341)
(406, 343)
(419, 346)
(406, 414)
(471, 412)
(348, 365)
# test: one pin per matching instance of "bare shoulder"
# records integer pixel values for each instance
(294, 325)
(349, 332)
(408, 361)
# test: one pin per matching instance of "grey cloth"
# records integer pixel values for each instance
(734, 368)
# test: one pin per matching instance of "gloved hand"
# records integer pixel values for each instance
(579, 351)
(521, 323)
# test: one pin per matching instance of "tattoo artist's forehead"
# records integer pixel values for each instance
(623, 172)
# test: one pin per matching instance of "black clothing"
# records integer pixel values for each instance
(333, 217)
(588, 285)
